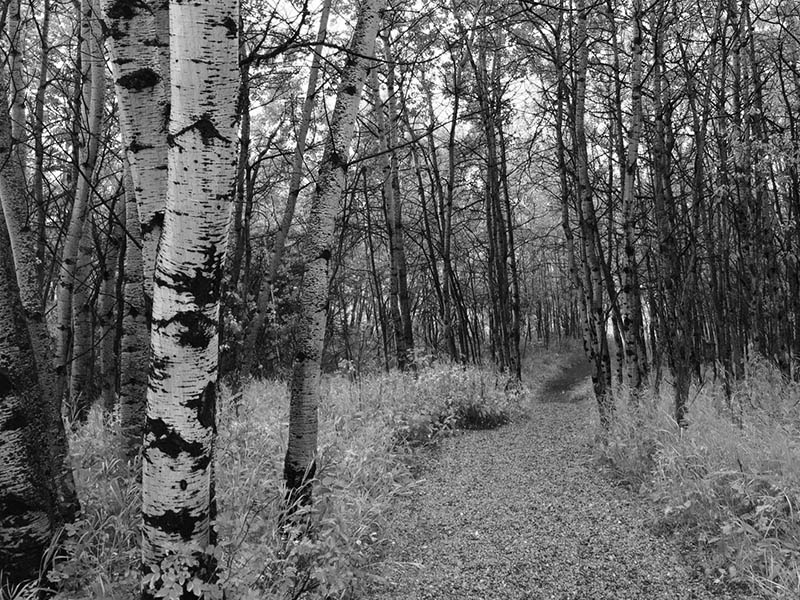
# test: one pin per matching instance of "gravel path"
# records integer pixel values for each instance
(522, 513)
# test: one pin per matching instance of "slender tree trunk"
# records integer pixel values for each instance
(139, 49)
(631, 305)
(265, 292)
(317, 247)
(391, 211)
(16, 43)
(23, 244)
(37, 182)
(133, 350)
(74, 252)
(377, 291)
(397, 238)
(593, 289)
(108, 305)
(177, 500)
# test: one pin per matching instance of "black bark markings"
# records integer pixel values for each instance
(6, 385)
(159, 367)
(172, 443)
(208, 407)
(140, 79)
(180, 522)
(230, 25)
(198, 329)
(204, 126)
(15, 422)
(156, 221)
(119, 12)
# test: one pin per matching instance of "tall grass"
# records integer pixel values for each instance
(369, 432)
(729, 484)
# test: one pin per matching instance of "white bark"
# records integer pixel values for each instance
(17, 101)
(25, 498)
(180, 427)
(93, 99)
(317, 249)
(139, 49)
(23, 243)
(265, 291)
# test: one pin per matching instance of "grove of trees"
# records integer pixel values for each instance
(282, 189)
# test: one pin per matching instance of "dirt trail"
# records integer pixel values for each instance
(575, 371)
(523, 513)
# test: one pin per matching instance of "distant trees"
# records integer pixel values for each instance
(691, 242)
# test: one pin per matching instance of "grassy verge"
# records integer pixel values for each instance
(370, 430)
(729, 485)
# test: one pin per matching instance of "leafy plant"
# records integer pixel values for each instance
(332, 549)
(729, 484)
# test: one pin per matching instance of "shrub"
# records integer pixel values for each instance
(729, 484)
(368, 428)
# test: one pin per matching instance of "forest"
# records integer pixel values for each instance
(277, 277)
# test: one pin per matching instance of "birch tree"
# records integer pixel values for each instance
(27, 503)
(23, 246)
(265, 291)
(632, 304)
(139, 49)
(180, 421)
(593, 286)
(73, 253)
(317, 250)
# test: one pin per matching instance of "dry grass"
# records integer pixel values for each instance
(369, 430)
(729, 484)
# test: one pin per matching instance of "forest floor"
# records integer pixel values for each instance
(524, 512)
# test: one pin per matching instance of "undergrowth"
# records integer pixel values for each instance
(370, 430)
(729, 484)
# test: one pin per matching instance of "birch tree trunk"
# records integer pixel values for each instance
(139, 49)
(397, 237)
(631, 306)
(389, 211)
(37, 179)
(317, 248)
(133, 349)
(593, 288)
(93, 96)
(108, 305)
(180, 424)
(265, 290)
(23, 243)
(80, 392)
(27, 504)
(16, 43)
(138, 44)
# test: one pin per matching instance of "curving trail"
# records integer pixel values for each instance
(523, 513)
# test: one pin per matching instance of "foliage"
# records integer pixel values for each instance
(368, 429)
(729, 484)
(98, 553)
